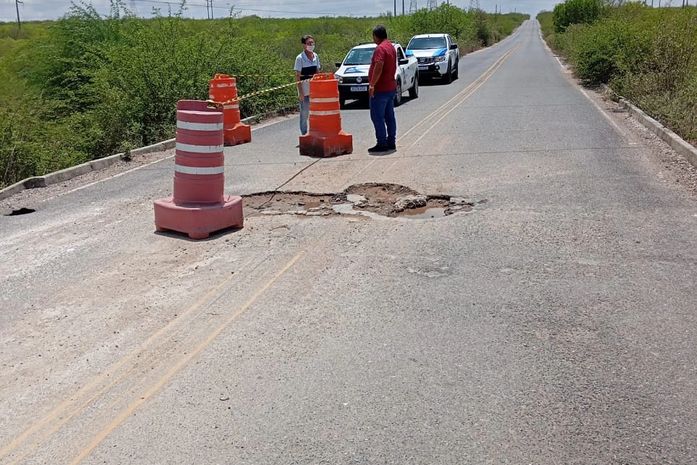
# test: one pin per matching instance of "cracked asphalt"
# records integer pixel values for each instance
(555, 323)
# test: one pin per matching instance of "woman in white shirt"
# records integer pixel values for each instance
(306, 65)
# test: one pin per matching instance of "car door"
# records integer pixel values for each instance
(405, 70)
(452, 53)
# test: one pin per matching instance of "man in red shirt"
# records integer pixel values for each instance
(383, 86)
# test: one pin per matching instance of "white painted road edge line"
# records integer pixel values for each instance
(169, 157)
(603, 112)
(102, 163)
(623, 134)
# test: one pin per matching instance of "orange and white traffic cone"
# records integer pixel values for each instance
(223, 89)
(325, 137)
(198, 206)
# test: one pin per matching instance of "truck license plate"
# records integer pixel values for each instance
(359, 88)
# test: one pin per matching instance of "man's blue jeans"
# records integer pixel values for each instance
(382, 114)
(304, 114)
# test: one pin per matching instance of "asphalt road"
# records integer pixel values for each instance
(554, 324)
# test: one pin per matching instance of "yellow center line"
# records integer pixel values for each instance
(469, 94)
(435, 112)
(470, 90)
(476, 84)
(62, 414)
(181, 363)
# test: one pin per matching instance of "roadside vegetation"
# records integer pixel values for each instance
(87, 86)
(648, 55)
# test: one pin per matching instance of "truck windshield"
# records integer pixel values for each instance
(359, 56)
(426, 43)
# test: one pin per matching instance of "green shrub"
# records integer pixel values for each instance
(577, 12)
(546, 20)
(446, 19)
(664, 81)
(597, 50)
(87, 86)
(647, 55)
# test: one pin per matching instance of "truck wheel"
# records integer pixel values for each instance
(449, 74)
(456, 74)
(398, 94)
(414, 91)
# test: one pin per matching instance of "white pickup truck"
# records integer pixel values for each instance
(438, 55)
(352, 74)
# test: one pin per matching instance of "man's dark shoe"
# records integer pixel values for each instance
(392, 146)
(378, 148)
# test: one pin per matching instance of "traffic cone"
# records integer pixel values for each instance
(325, 137)
(198, 206)
(223, 89)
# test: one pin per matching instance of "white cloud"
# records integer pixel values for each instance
(51, 9)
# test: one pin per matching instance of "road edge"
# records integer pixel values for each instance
(674, 141)
(83, 168)
(95, 165)
(677, 143)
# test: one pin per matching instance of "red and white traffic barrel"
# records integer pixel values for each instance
(199, 161)
(199, 206)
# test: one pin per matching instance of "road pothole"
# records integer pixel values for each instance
(372, 200)
(20, 211)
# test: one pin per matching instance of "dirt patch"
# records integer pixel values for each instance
(294, 202)
(372, 199)
(380, 192)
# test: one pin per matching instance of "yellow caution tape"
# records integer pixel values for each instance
(259, 92)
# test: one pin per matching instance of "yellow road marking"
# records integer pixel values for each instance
(59, 415)
(469, 91)
(468, 95)
(181, 363)
(435, 112)
(460, 95)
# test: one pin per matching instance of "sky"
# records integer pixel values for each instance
(52, 9)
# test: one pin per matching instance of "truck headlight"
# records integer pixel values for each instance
(340, 79)
(439, 59)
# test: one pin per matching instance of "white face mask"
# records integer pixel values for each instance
(310, 48)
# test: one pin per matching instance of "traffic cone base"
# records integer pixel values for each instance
(199, 220)
(238, 134)
(326, 146)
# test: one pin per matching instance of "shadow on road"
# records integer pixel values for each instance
(213, 236)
